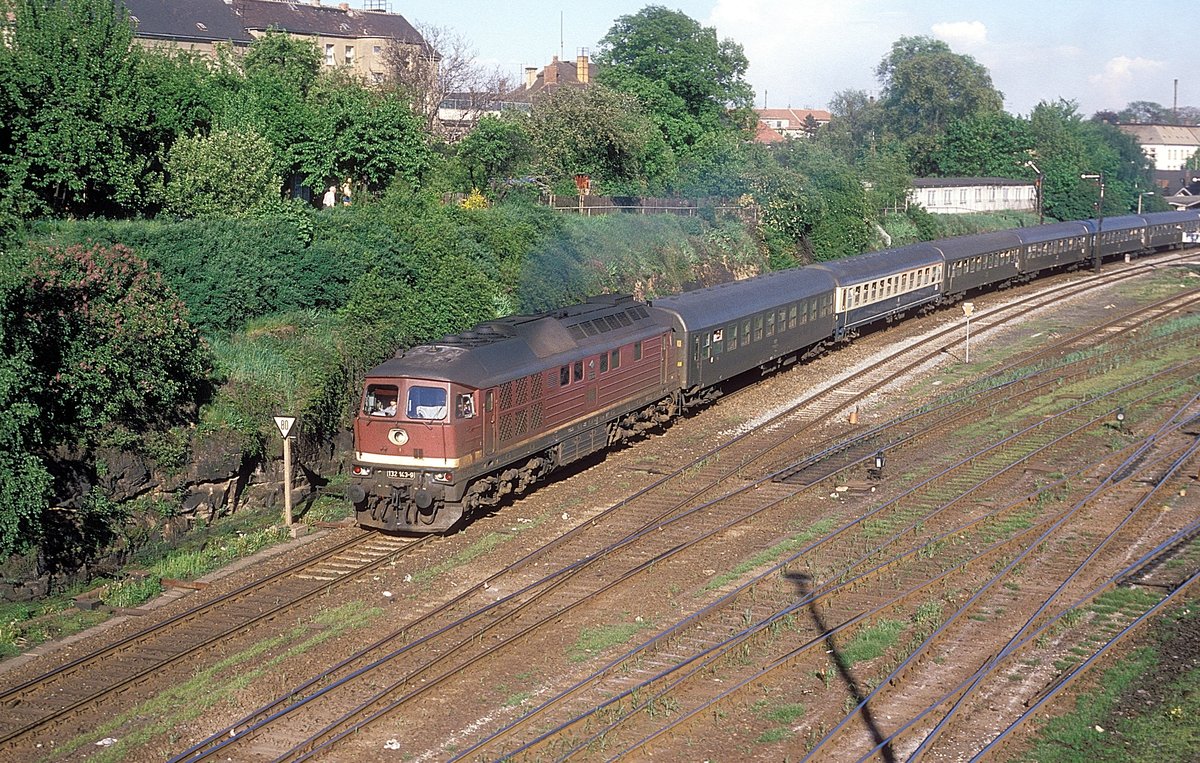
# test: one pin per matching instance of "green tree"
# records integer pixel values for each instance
(856, 127)
(1066, 146)
(601, 133)
(690, 82)
(496, 150)
(68, 95)
(1145, 112)
(993, 144)
(272, 100)
(926, 86)
(225, 174)
(370, 137)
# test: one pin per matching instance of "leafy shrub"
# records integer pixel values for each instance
(112, 349)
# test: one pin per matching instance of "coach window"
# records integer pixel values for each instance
(771, 324)
(745, 332)
(564, 376)
(731, 342)
(603, 362)
(637, 350)
(758, 328)
(614, 359)
(792, 317)
(718, 340)
(578, 370)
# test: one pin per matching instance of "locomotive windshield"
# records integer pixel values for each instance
(380, 400)
(426, 403)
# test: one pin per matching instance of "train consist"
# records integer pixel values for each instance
(451, 427)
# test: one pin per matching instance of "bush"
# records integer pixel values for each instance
(112, 349)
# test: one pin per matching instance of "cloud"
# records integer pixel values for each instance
(1122, 70)
(1123, 79)
(964, 34)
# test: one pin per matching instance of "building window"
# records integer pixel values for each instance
(946, 197)
(329, 54)
(376, 50)
(349, 54)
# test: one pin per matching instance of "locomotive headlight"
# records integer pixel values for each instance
(443, 477)
(361, 471)
(397, 437)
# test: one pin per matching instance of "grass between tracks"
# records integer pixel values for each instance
(164, 715)
(1145, 708)
(207, 548)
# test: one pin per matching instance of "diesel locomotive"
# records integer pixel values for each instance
(447, 428)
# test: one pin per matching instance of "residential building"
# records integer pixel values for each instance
(951, 196)
(792, 123)
(1168, 147)
(354, 39)
(459, 112)
(195, 25)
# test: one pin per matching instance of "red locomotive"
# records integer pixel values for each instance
(448, 427)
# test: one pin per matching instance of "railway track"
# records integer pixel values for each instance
(619, 700)
(70, 695)
(529, 599)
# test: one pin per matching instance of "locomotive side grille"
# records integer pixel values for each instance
(623, 319)
(577, 332)
(520, 406)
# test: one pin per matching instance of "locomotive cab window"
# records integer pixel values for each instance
(426, 403)
(464, 407)
(380, 400)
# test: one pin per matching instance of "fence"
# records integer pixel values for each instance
(638, 205)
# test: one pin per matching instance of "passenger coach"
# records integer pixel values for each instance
(883, 285)
(764, 322)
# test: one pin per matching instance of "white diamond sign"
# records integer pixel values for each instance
(285, 424)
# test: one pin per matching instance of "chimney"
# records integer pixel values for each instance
(581, 67)
(552, 72)
(530, 76)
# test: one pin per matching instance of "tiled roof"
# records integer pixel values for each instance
(565, 74)
(197, 20)
(793, 116)
(327, 21)
(763, 133)
(1163, 135)
(959, 182)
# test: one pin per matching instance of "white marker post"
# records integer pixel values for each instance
(968, 308)
(285, 426)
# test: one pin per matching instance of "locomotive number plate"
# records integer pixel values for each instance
(401, 475)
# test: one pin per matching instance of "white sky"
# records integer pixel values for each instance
(1100, 53)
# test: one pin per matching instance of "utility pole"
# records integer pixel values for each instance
(1100, 218)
